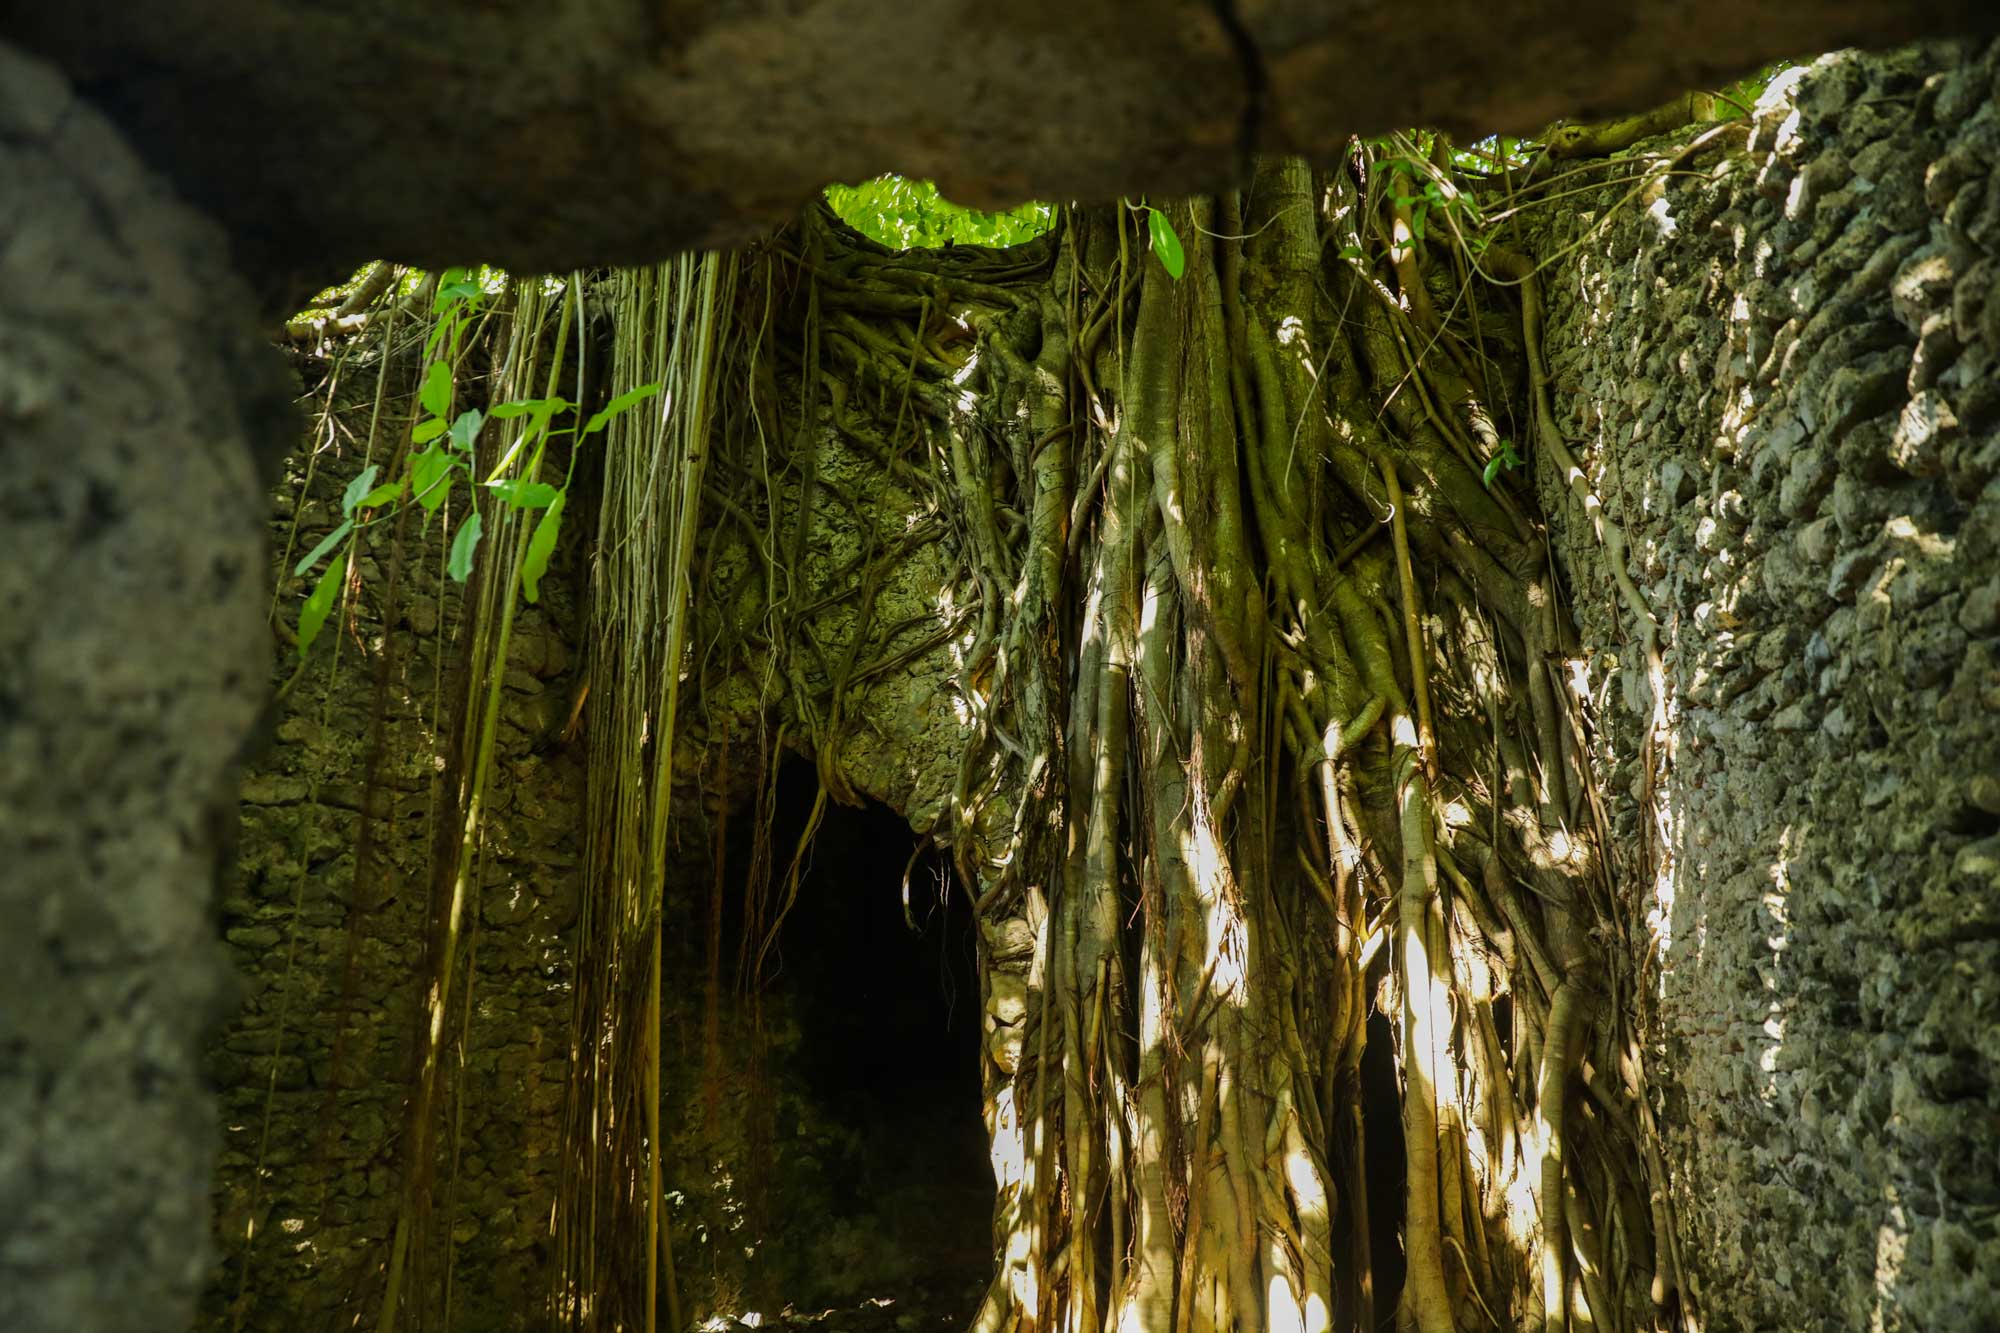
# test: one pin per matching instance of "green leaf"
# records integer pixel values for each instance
(1417, 219)
(332, 539)
(1506, 458)
(459, 565)
(1351, 252)
(430, 477)
(524, 494)
(427, 430)
(436, 394)
(466, 429)
(381, 495)
(618, 405)
(1166, 244)
(454, 285)
(541, 546)
(541, 406)
(312, 616)
(448, 324)
(359, 487)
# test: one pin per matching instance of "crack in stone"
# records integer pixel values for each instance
(1256, 81)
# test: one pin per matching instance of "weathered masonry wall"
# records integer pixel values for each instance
(315, 1065)
(326, 929)
(1784, 379)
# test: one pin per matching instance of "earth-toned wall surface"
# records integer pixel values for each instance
(1780, 373)
(1784, 378)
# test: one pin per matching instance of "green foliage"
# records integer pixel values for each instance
(1406, 166)
(1506, 459)
(906, 214)
(450, 454)
(1166, 243)
(541, 546)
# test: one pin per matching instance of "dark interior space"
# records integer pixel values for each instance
(878, 971)
(1381, 1109)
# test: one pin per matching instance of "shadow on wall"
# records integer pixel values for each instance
(863, 1172)
(1785, 376)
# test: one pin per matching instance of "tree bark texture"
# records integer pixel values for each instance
(1263, 729)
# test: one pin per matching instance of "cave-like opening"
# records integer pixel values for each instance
(1383, 1169)
(875, 968)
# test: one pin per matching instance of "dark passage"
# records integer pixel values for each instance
(1381, 1108)
(884, 993)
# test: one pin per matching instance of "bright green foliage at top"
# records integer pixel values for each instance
(906, 214)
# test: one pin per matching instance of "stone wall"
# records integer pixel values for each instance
(757, 1167)
(1783, 376)
(316, 1063)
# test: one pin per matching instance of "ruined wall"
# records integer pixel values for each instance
(759, 1174)
(311, 1156)
(1784, 378)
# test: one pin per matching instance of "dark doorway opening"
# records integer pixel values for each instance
(1382, 1111)
(880, 982)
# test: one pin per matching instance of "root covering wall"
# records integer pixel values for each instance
(326, 922)
(1786, 377)
(1780, 373)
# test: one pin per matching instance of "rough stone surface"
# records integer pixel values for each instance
(316, 1064)
(775, 1196)
(544, 137)
(1783, 381)
(130, 676)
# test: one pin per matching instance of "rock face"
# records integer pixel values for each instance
(543, 137)
(1787, 379)
(325, 913)
(1781, 377)
(131, 657)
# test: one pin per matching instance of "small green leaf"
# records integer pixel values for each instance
(541, 406)
(312, 616)
(524, 494)
(459, 565)
(381, 495)
(359, 487)
(466, 428)
(454, 285)
(1506, 458)
(1351, 252)
(618, 405)
(427, 430)
(331, 540)
(448, 324)
(1166, 244)
(430, 477)
(1417, 219)
(436, 395)
(541, 546)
